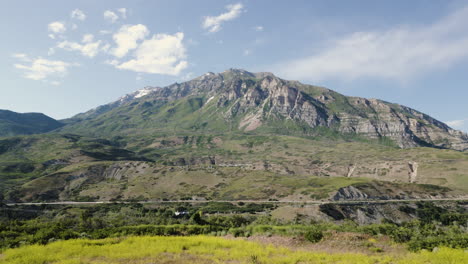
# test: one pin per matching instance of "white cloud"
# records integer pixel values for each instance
(162, 54)
(112, 62)
(213, 23)
(20, 56)
(188, 76)
(57, 27)
(110, 16)
(51, 51)
(106, 47)
(74, 26)
(55, 83)
(127, 38)
(123, 12)
(398, 53)
(78, 14)
(52, 36)
(89, 49)
(40, 69)
(247, 52)
(105, 32)
(258, 28)
(457, 123)
(87, 38)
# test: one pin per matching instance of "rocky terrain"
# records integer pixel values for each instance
(238, 135)
(246, 102)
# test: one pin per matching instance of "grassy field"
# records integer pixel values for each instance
(203, 249)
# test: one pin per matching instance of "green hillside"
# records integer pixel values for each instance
(12, 124)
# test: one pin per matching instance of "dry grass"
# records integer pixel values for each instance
(203, 249)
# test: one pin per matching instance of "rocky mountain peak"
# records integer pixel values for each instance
(255, 100)
(238, 72)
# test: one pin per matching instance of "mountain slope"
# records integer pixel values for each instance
(238, 135)
(12, 123)
(259, 103)
(68, 167)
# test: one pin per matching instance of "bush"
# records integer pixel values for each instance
(314, 235)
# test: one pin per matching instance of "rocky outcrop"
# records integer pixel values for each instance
(350, 193)
(267, 96)
(254, 100)
(351, 169)
(390, 191)
(413, 171)
(376, 213)
(193, 161)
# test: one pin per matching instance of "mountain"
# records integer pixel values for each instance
(244, 102)
(107, 107)
(12, 123)
(238, 135)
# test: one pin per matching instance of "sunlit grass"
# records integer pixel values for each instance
(203, 249)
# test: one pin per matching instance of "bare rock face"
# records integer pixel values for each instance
(266, 95)
(351, 169)
(254, 100)
(413, 171)
(390, 191)
(350, 193)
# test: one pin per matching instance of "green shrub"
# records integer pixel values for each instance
(314, 235)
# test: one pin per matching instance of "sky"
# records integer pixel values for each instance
(66, 57)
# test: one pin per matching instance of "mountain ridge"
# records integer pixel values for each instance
(13, 123)
(247, 101)
(237, 135)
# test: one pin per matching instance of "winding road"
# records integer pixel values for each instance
(248, 201)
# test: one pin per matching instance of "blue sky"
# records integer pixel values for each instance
(66, 57)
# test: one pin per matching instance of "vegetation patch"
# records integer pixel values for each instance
(202, 249)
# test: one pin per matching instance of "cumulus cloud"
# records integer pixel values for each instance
(87, 38)
(20, 56)
(398, 53)
(78, 14)
(127, 38)
(89, 49)
(112, 62)
(40, 69)
(162, 54)
(110, 16)
(213, 23)
(56, 28)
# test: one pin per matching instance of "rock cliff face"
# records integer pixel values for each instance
(255, 100)
(390, 191)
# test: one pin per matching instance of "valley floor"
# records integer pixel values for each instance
(205, 249)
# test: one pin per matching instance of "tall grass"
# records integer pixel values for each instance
(202, 249)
